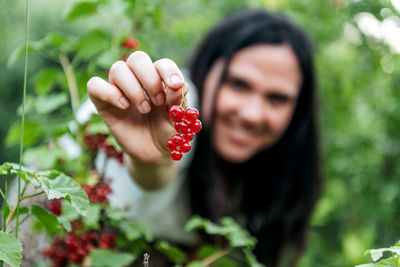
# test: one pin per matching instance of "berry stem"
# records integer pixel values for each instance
(183, 101)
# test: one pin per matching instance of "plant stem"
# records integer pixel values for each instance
(71, 80)
(21, 148)
(33, 195)
(10, 215)
(21, 222)
(219, 254)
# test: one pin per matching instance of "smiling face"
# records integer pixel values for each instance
(255, 102)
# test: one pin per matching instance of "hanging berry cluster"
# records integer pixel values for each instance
(96, 142)
(77, 245)
(186, 124)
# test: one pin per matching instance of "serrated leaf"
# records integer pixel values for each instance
(54, 183)
(173, 253)
(107, 258)
(50, 221)
(58, 185)
(10, 249)
(81, 9)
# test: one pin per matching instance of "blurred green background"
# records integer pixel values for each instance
(357, 47)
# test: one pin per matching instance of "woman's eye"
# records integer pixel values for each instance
(237, 84)
(278, 99)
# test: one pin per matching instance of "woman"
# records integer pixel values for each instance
(257, 157)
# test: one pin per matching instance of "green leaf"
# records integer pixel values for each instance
(10, 249)
(91, 221)
(46, 79)
(107, 258)
(81, 9)
(68, 212)
(206, 251)
(58, 185)
(171, 252)
(48, 103)
(50, 221)
(237, 236)
(32, 131)
(54, 183)
(251, 258)
(97, 128)
(115, 214)
(196, 264)
(92, 44)
(377, 254)
(43, 156)
(134, 229)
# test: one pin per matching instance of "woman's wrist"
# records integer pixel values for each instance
(151, 176)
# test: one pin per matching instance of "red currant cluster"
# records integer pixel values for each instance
(77, 245)
(186, 125)
(54, 206)
(97, 193)
(97, 142)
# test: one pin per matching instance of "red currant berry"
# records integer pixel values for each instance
(196, 126)
(130, 43)
(181, 126)
(170, 145)
(185, 147)
(177, 139)
(188, 135)
(176, 155)
(191, 115)
(176, 113)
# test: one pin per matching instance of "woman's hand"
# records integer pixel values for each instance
(134, 104)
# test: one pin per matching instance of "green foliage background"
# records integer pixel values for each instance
(359, 90)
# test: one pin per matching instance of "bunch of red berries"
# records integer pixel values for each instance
(77, 245)
(54, 206)
(186, 125)
(96, 142)
(97, 193)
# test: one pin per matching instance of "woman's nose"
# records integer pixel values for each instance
(252, 109)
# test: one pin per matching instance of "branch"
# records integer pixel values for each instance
(71, 80)
(219, 254)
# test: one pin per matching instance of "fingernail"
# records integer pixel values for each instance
(160, 98)
(175, 80)
(124, 102)
(145, 106)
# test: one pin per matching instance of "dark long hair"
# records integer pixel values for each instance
(280, 185)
